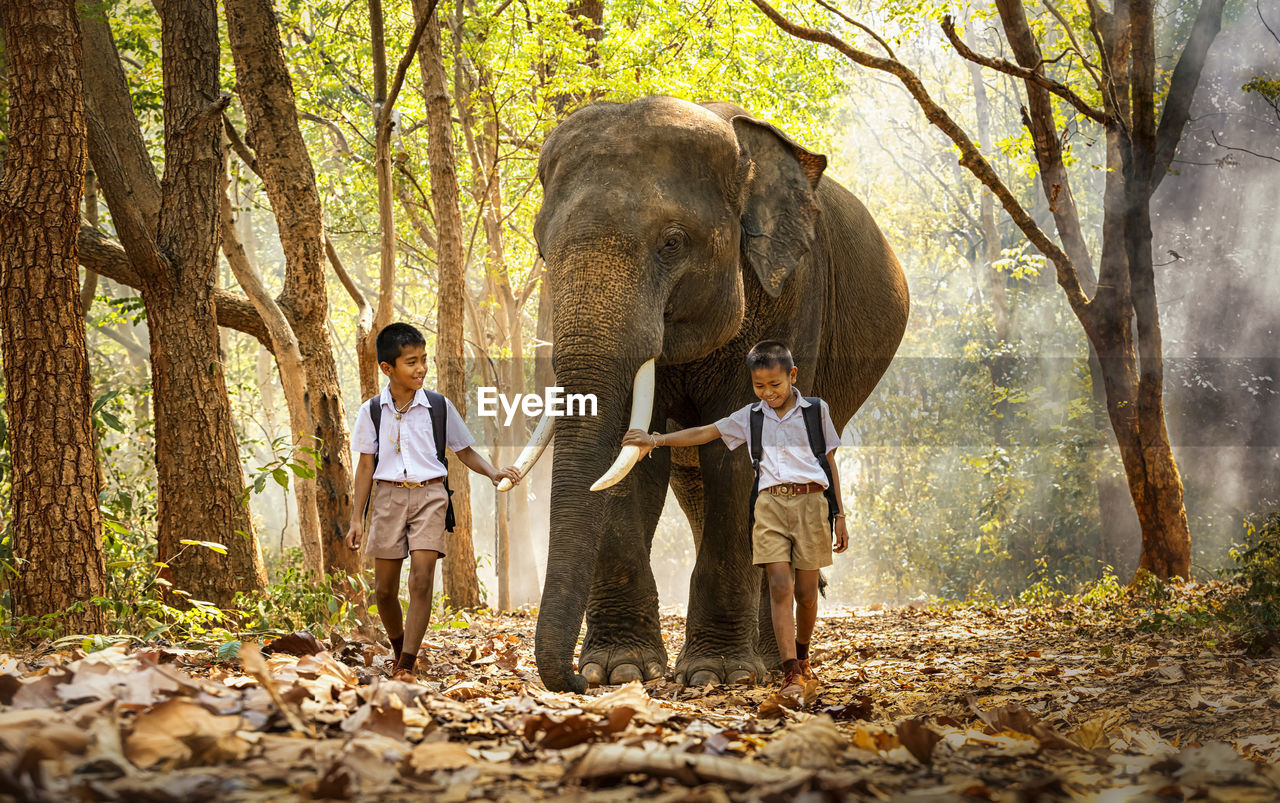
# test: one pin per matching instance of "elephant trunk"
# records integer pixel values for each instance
(584, 447)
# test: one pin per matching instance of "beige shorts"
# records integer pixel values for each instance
(792, 529)
(406, 519)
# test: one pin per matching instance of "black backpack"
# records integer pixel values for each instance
(817, 443)
(439, 421)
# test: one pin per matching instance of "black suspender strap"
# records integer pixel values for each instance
(818, 443)
(439, 425)
(757, 451)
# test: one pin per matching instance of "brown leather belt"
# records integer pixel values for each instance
(794, 488)
(410, 484)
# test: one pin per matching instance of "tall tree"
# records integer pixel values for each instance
(170, 231)
(460, 582)
(280, 154)
(57, 531)
(1121, 318)
(515, 561)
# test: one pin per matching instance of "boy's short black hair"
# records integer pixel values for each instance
(394, 338)
(770, 353)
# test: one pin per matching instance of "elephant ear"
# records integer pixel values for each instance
(779, 200)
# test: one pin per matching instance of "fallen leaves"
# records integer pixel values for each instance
(910, 700)
(180, 733)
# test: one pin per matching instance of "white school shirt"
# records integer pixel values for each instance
(785, 455)
(416, 460)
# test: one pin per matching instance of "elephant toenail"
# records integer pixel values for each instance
(743, 676)
(625, 673)
(702, 677)
(594, 673)
(653, 670)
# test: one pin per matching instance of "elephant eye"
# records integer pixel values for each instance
(673, 243)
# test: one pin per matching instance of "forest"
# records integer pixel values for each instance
(1062, 487)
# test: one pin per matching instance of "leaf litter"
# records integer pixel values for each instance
(913, 704)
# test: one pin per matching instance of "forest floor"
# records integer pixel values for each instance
(917, 703)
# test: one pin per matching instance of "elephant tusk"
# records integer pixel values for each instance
(641, 411)
(533, 450)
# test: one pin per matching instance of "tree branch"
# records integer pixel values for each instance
(1035, 75)
(106, 258)
(1182, 87)
(970, 157)
(237, 144)
(384, 114)
(363, 312)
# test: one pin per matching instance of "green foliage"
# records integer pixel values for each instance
(1252, 613)
(297, 601)
(286, 461)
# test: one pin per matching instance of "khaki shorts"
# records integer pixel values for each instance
(406, 519)
(792, 529)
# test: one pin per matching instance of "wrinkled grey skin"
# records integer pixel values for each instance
(688, 233)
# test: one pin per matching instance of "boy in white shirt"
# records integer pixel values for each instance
(411, 510)
(797, 510)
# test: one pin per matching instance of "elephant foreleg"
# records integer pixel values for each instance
(720, 642)
(624, 632)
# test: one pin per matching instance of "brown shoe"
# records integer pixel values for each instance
(805, 670)
(792, 685)
(405, 676)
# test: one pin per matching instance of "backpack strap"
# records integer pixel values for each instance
(439, 428)
(375, 415)
(818, 444)
(757, 451)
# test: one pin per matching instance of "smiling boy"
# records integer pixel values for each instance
(411, 511)
(796, 509)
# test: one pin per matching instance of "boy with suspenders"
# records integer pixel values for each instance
(795, 503)
(401, 436)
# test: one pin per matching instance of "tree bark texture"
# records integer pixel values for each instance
(57, 527)
(197, 456)
(292, 378)
(266, 90)
(460, 582)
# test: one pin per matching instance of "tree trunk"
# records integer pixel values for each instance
(90, 287)
(57, 528)
(266, 90)
(460, 582)
(293, 379)
(197, 456)
(170, 238)
(515, 559)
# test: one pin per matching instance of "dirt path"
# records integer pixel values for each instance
(914, 704)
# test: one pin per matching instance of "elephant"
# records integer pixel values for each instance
(676, 235)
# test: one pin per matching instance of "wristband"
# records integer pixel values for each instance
(839, 516)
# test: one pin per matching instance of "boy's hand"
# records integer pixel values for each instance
(640, 438)
(506, 473)
(842, 536)
(354, 535)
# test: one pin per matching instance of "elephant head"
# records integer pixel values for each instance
(656, 215)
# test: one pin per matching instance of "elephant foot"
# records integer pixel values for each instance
(618, 664)
(695, 668)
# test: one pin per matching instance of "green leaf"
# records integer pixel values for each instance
(229, 650)
(281, 477)
(302, 471)
(103, 399)
(111, 421)
(213, 545)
